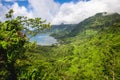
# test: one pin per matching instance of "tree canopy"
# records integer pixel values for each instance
(14, 38)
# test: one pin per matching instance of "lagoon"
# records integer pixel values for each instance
(44, 39)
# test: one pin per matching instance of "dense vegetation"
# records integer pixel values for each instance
(59, 31)
(89, 51)
(14, 42)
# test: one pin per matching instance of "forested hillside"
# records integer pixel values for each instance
(61, 30)
(89, 50)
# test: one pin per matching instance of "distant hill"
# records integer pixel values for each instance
(94, 24)
(61, 30)
(100, 21)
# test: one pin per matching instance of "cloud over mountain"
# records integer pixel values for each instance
(57, 13)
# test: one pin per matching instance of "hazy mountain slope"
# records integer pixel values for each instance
(60, 30)
(94, 25)
(99, 22)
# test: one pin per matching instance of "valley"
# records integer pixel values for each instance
(89, 50)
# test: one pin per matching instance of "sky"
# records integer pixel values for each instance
(59, 11)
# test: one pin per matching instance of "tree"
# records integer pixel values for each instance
(14, 34)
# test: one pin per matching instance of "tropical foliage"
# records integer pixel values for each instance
(89, 51)
(14, 41)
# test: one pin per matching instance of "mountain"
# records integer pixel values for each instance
(101, 22)
(89, 50)
(60, 30)
(87, 28)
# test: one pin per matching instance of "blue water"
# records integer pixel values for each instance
(44, 39)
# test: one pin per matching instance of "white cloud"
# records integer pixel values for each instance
(3, 10)
(74, 13)
(62, 13)
(18, 10)
(21, 11)
(45, 9)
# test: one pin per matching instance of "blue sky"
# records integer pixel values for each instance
(26, 3)
(11, 2)
(59, 11)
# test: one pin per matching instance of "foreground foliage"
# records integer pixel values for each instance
(14, 42)
(91, 51)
